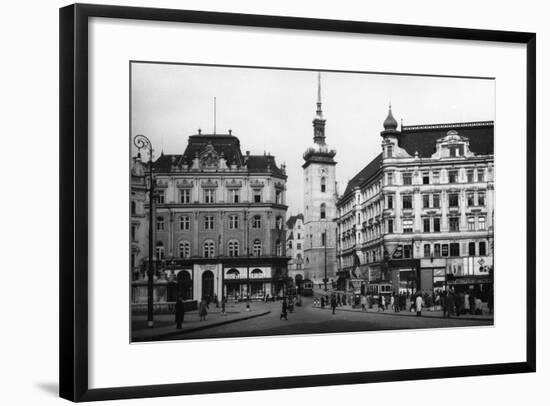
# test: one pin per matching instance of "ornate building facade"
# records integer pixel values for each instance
(295, 248)
(419, 216)
(219, 220)
(320, 196)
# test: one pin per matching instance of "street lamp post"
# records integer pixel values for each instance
(142, 142)
(325, 246)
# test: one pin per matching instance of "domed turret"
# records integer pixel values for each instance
(390, 123)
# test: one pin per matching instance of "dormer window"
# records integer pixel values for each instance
(389, 151)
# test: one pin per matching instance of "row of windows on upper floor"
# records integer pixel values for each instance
(437, 177)
(209, 222)
(209, 196)
(429, 225)
(209, 249)
(429, 201)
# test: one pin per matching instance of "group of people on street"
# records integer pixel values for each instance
(450, 302)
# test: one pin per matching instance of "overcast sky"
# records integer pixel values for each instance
(272, 110)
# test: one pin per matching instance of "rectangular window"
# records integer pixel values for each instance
(185, 196)
(278, 197)
(407, 226)
(407, 202)
(444, 250)
(470, 198)
(425, 201)
(185, 223)
(453, 199)
(481, 199)
(257, 222)
(390, 178)
(323, 239)
(437, 224)
(454, 224)
(160, 223)
(234, 195)
(407, 178)
(481, 223)
(435, 177)
(472, 249)
(160, 196)
(426, 225)
(233, 222)
(390, 201)
(471, 224)
(435, 199)
(390, 226)
(480, 175)
(407, 251)
(209, 195)
(208, 222)
(299, 246)
(453, 176)
(427, 251)
(426, 178)
(257, 196)
(134, 227)
(470, 175)
(482, 248)
(437, 250)
(455, 249)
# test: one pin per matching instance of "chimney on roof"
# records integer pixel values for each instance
(200, 131)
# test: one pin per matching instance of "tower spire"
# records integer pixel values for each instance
(319, 121)
(319, 103)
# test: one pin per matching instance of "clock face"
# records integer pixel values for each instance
(323, 171)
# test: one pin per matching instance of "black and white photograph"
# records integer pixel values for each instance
(269, 201)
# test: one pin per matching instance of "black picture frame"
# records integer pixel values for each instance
(73, 278)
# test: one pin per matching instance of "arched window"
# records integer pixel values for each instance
(323, 185)
(159, 250)
(233, 274)
(257, 273)
(278, 248)
(257, 248)
(323, 210)
(233, 248)
(184, 249)
(279, 223)
(208, 249)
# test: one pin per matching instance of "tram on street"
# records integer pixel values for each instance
(377, 289)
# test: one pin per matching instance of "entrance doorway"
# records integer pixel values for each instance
(185, 285)
(207, 285)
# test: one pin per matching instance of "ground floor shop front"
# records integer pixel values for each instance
(232, 279)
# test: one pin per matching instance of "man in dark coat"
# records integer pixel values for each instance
(333, 304)
(284, 309)
(179, 312)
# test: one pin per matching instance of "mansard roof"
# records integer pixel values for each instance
(291, 222)
(367, 173)
(422, 138)
(225, 144)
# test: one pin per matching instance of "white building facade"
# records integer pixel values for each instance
(420, 215)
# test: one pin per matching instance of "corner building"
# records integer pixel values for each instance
(220, 220)
(419, 216)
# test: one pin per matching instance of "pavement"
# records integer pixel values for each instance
(309, 319)
(165, 326)
(425, 313)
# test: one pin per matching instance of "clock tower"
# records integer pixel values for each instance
(320, 196)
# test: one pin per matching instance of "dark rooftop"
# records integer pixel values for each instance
(292, 220)
(364, 175)
(422, 138)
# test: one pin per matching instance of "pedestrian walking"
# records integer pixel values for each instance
(363, 303)
(418, 304)
(392, 302)
(466, 303)
(381, 303)
(284, 310)
(472, 303)
(223, 305)
(333, 304)
(203, 310)
(459, 301)
(179, 312)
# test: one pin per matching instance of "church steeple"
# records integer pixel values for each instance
(319, 121)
